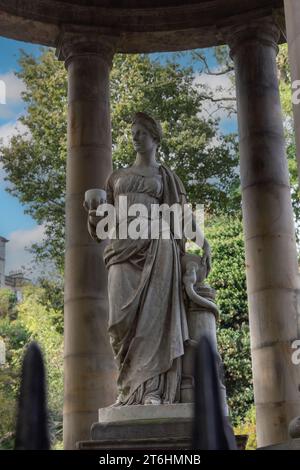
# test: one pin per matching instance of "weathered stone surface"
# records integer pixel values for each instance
(145, 412)
(154, 429)
(141, 26)
(292, 444)
(145, 427)
(294, 428)
(169, 434)
(90, 373)
(147, 424)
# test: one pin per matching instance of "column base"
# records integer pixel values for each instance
(292, 444)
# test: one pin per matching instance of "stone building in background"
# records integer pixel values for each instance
(15, 280)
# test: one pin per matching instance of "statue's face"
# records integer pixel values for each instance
(142, 139)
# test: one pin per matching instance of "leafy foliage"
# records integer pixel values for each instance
(228, 277)
(37, 319)
(15, 337)
(8, 300)
(52, 297)
(248, 428)
(35, 162)
(34, 321)
(190, 145)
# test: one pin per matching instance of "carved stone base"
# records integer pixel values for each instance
(149, 413)
(142, 427)
(161, 427)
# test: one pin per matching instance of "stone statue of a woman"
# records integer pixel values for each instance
(147, 317)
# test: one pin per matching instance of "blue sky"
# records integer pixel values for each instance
(15, 225)
(9, 112)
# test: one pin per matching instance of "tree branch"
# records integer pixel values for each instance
(229, 68)
(217, 100)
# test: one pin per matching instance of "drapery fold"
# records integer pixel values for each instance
(147, 318)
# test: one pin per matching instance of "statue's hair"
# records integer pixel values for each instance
(150, 124)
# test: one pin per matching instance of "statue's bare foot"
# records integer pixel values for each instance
(152, 401)
(117, 403)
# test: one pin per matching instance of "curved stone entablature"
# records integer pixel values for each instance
(139, 25)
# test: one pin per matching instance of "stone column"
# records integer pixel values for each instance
(292, 19)
(90, 373)
(271, 258)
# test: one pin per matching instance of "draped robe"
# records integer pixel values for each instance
(147, 317)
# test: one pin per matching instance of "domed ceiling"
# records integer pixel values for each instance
(141, 25)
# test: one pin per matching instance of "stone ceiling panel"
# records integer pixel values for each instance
(140, 25)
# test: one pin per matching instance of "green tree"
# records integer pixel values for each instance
(52, 297)
(38, 321)
(228, 277)
(8, 301)
(36, 162)
(35, 320)
(248, 428)
(15, 337)
(168, 92)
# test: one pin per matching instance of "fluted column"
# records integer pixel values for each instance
(292, 20)
(271, 258)
(90, 373)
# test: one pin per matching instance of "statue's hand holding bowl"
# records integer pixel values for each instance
(92, 199)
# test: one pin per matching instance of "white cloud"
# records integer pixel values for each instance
(11, 128)
(213, 81)
(219, 85)
(14, 87)
(16, 253)
(11, 95)
(6, 132)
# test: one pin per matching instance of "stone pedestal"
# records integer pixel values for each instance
(162, 427)
(145, 427)
(142, 427)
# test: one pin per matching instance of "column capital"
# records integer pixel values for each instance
(80, 42)
(260, 32)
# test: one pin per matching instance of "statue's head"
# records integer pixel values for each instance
(146, 132)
